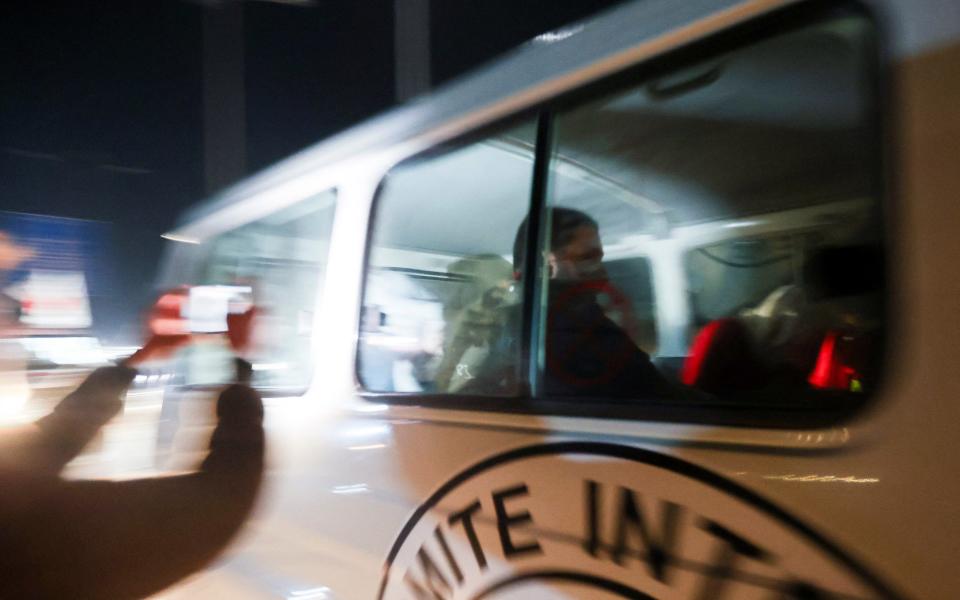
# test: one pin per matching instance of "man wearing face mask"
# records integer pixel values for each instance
(587, 353)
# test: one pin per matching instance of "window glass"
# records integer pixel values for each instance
(714, 231)
(442, 309)
(277, 263)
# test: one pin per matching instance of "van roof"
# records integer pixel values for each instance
(539, 68)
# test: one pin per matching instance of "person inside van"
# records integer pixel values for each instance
(818, 331)
(587, 352)
(474, 317)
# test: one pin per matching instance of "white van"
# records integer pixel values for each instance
(660, 305)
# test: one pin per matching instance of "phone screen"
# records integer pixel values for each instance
(207, 308)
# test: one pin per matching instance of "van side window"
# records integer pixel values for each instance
(714, 232)
(442, 308)
(278, 262)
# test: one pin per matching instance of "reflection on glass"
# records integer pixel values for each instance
(721, 223)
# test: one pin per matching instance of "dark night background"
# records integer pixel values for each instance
(101, 111)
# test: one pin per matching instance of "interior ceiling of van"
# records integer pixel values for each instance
(777, 125)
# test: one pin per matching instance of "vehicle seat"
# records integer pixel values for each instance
(722, 359)
(836, 367)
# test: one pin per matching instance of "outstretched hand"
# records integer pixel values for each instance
(240, 330)
(168, 329)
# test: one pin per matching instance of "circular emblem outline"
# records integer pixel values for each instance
(655, 459)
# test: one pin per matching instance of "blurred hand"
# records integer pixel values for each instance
(132, 538)
(158, 347)
(167, 328)
(166, 314)
(240, 330)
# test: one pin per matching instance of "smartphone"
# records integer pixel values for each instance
(207, 307)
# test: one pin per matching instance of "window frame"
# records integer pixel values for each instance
(473, 402)
(810, 409)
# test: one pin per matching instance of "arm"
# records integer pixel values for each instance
(124, 539)
(127, 539)
(48, 444)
